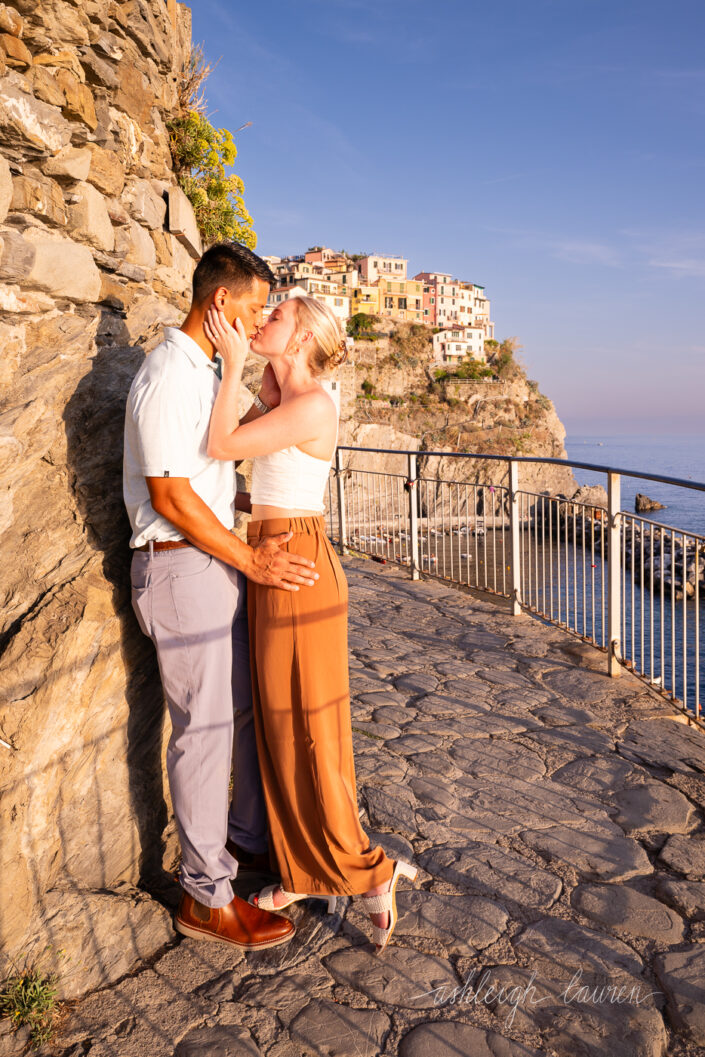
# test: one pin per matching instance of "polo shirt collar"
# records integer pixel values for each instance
(192, 350)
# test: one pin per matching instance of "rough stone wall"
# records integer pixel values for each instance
(90, 270)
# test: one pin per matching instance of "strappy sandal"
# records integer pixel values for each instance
(265, 899)
(387, 902)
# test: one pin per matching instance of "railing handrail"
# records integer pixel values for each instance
(698, 486)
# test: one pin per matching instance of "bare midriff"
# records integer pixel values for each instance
(260, 512)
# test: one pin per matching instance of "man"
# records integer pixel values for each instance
(188, 590)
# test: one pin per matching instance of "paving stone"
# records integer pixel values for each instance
(600, 852)
(382, 731)
(331, 1029)
(395, 714)
(685, 854)
(417, 682)
(433, 763)
(315, 927)
(494, 660)
(376, 698)
(563, 715)
(575, 741)
(219, 1041)
(435, 795)
(653, 806)
(145, 1012)
(486, 725)
(394, 846)
(380, 767)
(391, 807)
(665, 743)
(577, 685)
(527, 697)
(686, 896)
(545, 802)
(580, 1020)
(452, 705)
(625, 910)
(493, 872)
(410, 743)
(500, 678)
(601, 774)
(482, 759)
(287, 993)
(557, 949)
(406, 980)
(478, 638)
(190, 964)
(682, 976)
(451, 1039)
(462, 923)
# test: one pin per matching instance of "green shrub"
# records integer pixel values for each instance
(201, 153)
(28, 999)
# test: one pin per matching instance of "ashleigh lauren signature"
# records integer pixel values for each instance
(520, 996)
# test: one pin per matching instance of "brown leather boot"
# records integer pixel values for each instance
(238, 923)
(248, 861)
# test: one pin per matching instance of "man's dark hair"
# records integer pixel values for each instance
(228, 264)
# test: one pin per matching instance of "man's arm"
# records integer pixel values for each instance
(174, 499)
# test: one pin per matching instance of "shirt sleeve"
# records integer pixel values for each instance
(166, 414)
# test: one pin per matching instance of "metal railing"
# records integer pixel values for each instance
(627, 584)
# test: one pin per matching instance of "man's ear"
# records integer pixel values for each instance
(220, 297)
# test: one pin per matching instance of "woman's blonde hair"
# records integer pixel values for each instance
(329, 346)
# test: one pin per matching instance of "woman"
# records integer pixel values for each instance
(298, 640)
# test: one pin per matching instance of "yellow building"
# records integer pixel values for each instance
(401, 299)
(364, 298)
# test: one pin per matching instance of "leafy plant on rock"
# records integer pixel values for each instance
(201, 154)
(27, 999)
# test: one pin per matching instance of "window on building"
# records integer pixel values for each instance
(418, 302)
(338, 302)
(402, 302)
(389, 302)
(433, 300)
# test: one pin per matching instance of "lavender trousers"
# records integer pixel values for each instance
(194, 609)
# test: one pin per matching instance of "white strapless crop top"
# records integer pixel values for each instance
(291, 479)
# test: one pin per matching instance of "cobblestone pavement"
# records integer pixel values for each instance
(556, 817)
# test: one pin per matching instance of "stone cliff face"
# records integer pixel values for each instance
(90, 270)
(411, 410)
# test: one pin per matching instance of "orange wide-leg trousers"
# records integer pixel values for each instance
(299, 657)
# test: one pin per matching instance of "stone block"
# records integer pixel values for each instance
(39, 195)
(89, 220)
(17, 54)
(97, 70)
(72, 163)
(135, 245)
(623, 909)
(682, 976)
(5, 188)
(16, 300)
(686, 854)
(182, 222)
(10, 21)
(78, 104)
(63, 268)
(45, 87)
(30, 125)
(103, 935)
(17, 257)
(134, 94)
(325, 1027)
(106, 172)
(65, 60)
(144, 204)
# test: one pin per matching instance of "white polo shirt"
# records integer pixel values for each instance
(166, 433)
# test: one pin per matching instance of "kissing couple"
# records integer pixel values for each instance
(251, 639)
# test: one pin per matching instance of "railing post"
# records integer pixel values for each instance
(342, 520)
(515, 537)
(413, 515)
(614, 574)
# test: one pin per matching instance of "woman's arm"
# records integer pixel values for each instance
(295, 422)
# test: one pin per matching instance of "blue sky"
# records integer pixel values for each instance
(552, 151)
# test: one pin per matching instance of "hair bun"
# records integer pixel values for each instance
(341, 354)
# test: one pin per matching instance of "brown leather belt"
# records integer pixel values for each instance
(165, 545)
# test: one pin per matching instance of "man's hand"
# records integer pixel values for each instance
(269, 391)
(174, 499)
(275, 567)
